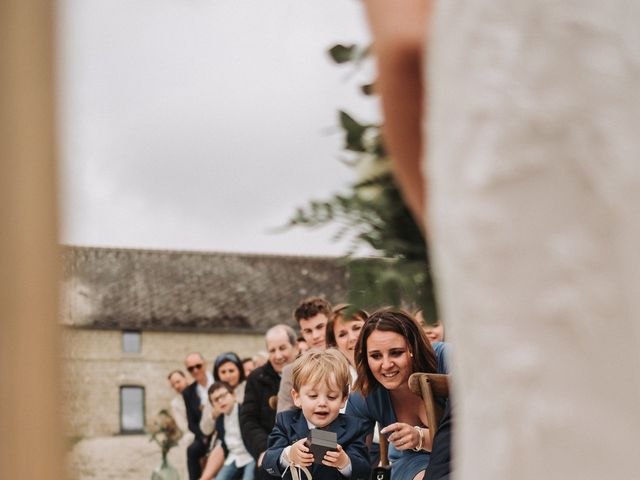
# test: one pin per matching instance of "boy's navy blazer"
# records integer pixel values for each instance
(291, 426)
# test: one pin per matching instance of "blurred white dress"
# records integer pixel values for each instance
(533, 168)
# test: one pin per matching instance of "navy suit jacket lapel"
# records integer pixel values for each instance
(300, 427)
(338, 426)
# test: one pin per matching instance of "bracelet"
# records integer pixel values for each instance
(419, 447)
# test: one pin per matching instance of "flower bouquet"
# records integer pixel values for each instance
(165, 432)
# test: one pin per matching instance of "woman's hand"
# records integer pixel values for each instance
(336, 458)
(403, 436)
(299, 454)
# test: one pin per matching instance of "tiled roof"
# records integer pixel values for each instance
(191, 291)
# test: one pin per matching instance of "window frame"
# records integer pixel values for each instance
(139, 344)
(124, 431)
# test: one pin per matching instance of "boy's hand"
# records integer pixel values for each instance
(336, 458)
(215, 412)
(299, 454)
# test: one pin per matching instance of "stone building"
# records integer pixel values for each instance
(130, 316)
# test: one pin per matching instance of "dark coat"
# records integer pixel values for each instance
(291, 426)
(194, 413)
(256, 416)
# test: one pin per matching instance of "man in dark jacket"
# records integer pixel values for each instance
(195, 395)
(257, 416)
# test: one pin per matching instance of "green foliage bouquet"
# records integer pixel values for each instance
(372, 213)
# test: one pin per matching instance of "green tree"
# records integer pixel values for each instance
(371, 212)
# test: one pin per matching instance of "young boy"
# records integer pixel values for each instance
(237, 458)
(320, 389)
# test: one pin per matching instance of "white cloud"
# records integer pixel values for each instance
(201, 124)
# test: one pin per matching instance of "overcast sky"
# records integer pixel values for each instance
(202, 124)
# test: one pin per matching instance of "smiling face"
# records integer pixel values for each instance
(197, 367)
(228, 372)
(314, 330)
(281, 352)
(389, 359)
(435, 333)
(346, 334)
(320, 403)
(178, 382)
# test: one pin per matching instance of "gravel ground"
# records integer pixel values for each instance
(126, 457)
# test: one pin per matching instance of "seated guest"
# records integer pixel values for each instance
(434, 331)
(259, 359)
(303, 346)
(178, 382)
(195, 397)
(390, 348)
(320, 389)
(312, 316)
(257, 417)
(237, 459)
(343, 331)
(227, 367)
(248, 366)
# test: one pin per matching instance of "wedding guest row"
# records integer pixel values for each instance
(230, 412)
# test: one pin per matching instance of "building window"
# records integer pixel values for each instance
(131, 409)
(131, 341)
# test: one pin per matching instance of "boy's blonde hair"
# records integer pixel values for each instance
(317, 367)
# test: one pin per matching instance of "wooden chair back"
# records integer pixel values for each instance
(430, 386)
(383, 470)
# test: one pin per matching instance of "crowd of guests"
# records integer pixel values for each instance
(346, 373)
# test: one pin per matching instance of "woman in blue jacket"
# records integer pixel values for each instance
(390, 348)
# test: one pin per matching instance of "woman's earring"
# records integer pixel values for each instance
(411, 354)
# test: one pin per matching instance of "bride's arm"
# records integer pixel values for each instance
(399, 31)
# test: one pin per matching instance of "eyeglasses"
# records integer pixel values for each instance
(197, 366)
(217, 398)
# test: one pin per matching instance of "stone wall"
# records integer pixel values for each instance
(96, 368)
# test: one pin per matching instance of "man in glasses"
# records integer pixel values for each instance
(195, 397)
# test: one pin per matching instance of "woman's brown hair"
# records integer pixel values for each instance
(339, 314)
(402, 323)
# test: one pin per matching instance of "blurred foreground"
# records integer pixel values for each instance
(127, 457)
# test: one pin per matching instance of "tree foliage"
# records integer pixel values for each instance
(371, 212)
